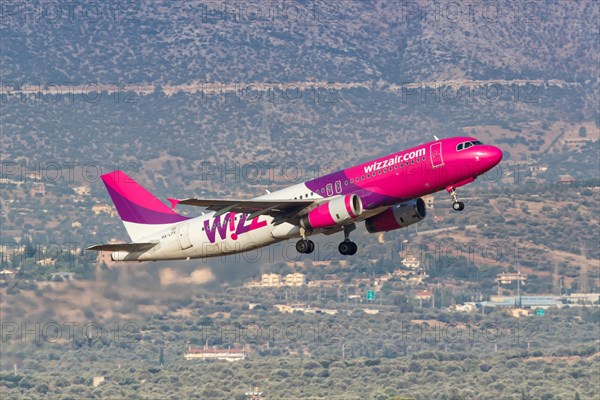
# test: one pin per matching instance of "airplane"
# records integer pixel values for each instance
(385, 193)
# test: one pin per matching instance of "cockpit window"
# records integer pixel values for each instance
(466, 145)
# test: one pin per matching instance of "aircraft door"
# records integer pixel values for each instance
(436, 155)
(338, 187)
(183, 236)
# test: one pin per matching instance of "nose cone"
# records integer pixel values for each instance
(488, 157)
(494, 155)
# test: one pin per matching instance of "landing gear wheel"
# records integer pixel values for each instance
(305, 246)
(458, 206)
(348, 248)
(344, 248)
(302, 246)
(354, 249)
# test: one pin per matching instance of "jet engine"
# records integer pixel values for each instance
(338, 211)
(396, 217)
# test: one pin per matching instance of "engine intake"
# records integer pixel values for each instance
(396, 217)
(338, 211)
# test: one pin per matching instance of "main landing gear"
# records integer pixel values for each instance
(456, 205)
(304, 246)
(347, 247)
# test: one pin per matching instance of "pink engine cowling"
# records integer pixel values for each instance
(338, 211)
(397, 216)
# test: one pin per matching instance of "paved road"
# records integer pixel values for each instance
(450, 228)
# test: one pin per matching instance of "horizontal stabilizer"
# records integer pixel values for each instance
(130, 247)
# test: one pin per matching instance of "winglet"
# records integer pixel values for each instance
(174, 202)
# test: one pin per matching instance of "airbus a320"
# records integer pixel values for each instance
(385, 193)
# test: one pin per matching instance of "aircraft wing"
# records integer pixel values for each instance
(275, 208)
(130, 247)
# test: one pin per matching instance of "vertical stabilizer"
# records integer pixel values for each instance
(142, 213)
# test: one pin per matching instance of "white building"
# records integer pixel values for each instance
(411, 262)
(194, 353)
(296, 279)
(270, 280)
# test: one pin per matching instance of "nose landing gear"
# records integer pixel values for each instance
(456, 205)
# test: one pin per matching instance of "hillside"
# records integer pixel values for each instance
(232, 98)
(216, 76)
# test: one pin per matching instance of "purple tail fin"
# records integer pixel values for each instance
(137, 205)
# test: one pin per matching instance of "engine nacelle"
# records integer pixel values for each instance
(396, 217)
(338, 211)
